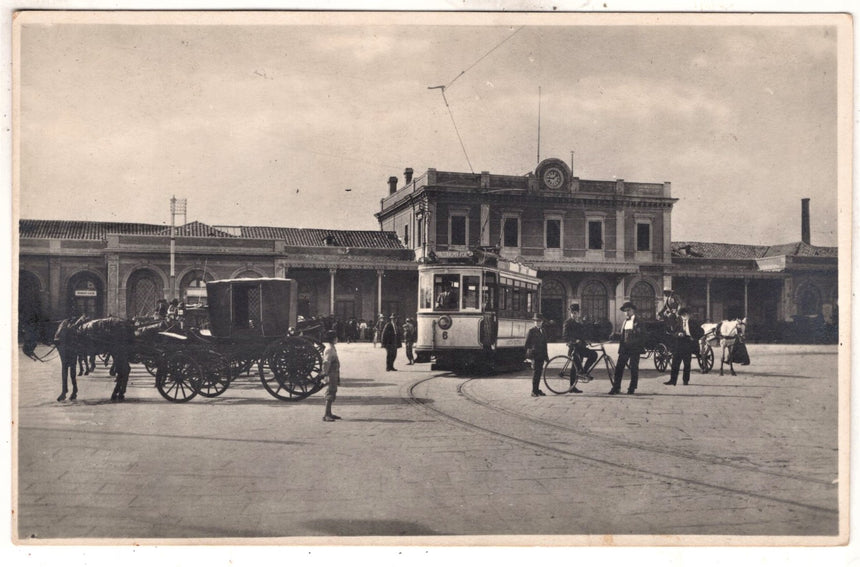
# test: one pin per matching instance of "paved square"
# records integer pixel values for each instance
(424, 453)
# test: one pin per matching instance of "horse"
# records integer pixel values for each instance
(111, 336)
(730, 332)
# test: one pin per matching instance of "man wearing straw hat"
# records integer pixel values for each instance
(629, 350)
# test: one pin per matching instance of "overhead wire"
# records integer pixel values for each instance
(463, 72)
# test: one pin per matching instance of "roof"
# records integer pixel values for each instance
(82, 230)
(722, 251)
(310, 237)
(324, 237)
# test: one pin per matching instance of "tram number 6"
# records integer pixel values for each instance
(444, 335)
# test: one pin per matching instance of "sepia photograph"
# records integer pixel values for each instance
(431, 278)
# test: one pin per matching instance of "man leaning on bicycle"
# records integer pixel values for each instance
(576, 338)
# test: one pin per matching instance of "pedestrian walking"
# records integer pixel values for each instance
(573, 333)
(362, 330)
(686, 333)
(331, 370)
(409, 339)
(390, 342)
(536, 350)
(628, 351)
(377, 330)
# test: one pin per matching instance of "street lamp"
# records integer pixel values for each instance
(177, 207)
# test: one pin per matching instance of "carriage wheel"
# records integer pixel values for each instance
(179, 377)
(706, 358)
(217, 375)
(557, 374)
(240, 365)
(295, 364)
(662, 357)
(151, 365)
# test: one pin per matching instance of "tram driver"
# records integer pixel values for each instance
(448, 299)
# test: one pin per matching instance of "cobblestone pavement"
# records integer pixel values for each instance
(424, 453)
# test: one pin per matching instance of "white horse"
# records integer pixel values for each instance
(730, 332)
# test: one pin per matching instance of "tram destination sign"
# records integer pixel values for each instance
(86, 293)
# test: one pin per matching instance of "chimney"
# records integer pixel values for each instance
(804, 221)
(407, 174)
(392, 185)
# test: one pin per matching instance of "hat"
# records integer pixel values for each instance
(330, 335)
(538, 317)
(574, 307)
(628, 305)
(683, 311)
(393, 316)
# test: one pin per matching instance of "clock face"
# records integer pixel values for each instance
(553, 177)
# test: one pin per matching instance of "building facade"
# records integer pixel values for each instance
(595, 243)
(120, 269)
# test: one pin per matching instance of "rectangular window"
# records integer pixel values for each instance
(471, 285)
(447, 291)
(419, 233)
(553, 233)
(511, 232)
(458, 230)
(595, 235)
(643, 237)
(405, 235)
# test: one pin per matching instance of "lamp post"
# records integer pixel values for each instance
(177, 207)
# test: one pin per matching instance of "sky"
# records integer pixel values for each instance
(278, 122)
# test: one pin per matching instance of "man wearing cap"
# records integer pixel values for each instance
(536, 349)
(628, 350)
(686, 333)
(390, 342)
(409, 339)
(574, 335)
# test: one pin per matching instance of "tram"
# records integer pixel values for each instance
(474, 310)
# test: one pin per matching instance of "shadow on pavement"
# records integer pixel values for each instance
(359, 527)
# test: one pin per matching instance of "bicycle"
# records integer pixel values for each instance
(558, 370)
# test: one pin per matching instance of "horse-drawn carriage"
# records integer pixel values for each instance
(658, 344)
(252, 324)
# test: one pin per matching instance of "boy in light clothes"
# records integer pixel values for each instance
(330, 368)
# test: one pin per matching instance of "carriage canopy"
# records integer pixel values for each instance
(255, 307)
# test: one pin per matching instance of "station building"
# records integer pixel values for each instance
(597, 243)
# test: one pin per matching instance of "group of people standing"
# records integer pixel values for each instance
(684, 332)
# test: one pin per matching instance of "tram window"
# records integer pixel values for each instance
(425, 290)
(488, 295)
(471, 285)
(517, 303)
(530, 301)
(447, 291)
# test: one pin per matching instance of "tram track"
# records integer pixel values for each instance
(706, 473)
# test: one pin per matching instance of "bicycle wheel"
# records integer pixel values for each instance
(557, 374)
(610, 366)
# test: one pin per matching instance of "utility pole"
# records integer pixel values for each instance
(177, 207)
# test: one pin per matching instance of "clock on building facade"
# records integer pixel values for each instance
(553, 175)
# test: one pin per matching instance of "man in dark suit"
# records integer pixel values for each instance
(390, 342)
(629, 350)
(536, 349)
(686, 333)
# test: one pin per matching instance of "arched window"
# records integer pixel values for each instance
(144, 290)
(808, 300)
(29, 302)
(594, 302)
(642, 296)
(85, 296)
(249, 274)
(192, 289)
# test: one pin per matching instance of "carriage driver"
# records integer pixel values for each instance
(574, 335)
